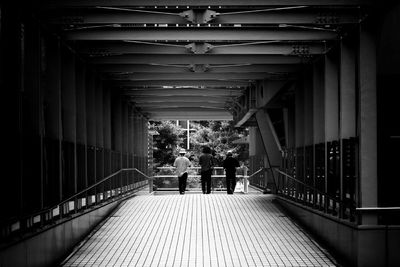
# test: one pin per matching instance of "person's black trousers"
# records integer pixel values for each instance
(230, 183)
(182, 182)
(206, 181)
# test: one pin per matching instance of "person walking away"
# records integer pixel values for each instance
(206, 162)
(182, 163)
(230, 164)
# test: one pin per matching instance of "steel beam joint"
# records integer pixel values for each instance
(199, 16)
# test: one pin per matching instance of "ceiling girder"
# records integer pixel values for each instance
(184, 104)
(240, 68)
(305, 16)
(199, 3)
(198, 59)
(183, 92)
(195, 76)
(180, 98)
(198, 34)
(182, 83)
(188, 113)
(292, 48)
(195, 116)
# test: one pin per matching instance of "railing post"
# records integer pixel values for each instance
(150, 181)
(245, 181)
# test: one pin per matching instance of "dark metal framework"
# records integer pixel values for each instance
(237, 42)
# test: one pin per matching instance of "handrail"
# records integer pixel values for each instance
(145, 175)
(88, 188)
(306, 185)
(261, 169)
(45, 210)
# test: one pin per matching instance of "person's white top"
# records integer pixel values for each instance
(181, 163)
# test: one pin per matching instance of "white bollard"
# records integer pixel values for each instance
(245, 181)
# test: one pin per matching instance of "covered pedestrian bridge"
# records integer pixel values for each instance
(314, 80)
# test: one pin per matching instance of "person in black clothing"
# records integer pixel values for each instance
(206, 162)
(230, 164)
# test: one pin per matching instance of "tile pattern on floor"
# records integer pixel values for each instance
(199, 230)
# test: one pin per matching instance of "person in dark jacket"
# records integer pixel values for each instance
(230, 164)
(206, 162)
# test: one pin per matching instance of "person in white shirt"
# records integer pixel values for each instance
(182, 163)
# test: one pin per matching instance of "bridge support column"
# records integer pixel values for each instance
(367, 124)
(53, 123)
(90, 128)
(68, 97)
(271, 145)
(347, 115)
(81, 131)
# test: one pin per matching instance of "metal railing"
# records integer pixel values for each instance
(248, 179)
(308, 195)
(218, 175)
(111, 188)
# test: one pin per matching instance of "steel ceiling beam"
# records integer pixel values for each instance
(183, 92)
(143, 68)
(197, 59)
(197, 34)
(181, 83)
(271, 49)
(188, 113)
(240, 68)
(185, 104)
(101, 48)
(199, 3)
(301, 16)
(181, 98)
(67, 17)
(225, 116)
(195, 76)
(293, 48)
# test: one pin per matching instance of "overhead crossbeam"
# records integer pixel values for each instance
(182, 98)
(305, 16)
(195, 76)
(275, 48)
(225, 116)
(183, 92)
(222, 68)
(199, 3)
(185, 104)
(181, 83)
(197, 59)
(198, 34)
(201, 113)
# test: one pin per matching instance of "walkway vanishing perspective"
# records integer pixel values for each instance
(199, 230)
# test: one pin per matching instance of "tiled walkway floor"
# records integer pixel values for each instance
(199, 230)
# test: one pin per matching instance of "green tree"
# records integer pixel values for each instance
(219, 135)
(166, 142)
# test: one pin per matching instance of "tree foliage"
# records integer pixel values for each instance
(219, 136)
(166, 142)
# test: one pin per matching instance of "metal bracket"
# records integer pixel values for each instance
(199, 67)
(327, 18)
(199, 48)
(199, 17)
(301, 50)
